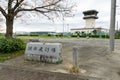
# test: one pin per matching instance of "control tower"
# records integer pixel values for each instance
(90, 17)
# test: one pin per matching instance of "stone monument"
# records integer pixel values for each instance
(44, 52)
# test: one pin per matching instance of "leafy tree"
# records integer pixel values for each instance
(12, 8)
(95, 32)
(117, 33)
(83, 33)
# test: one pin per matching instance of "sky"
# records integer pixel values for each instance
(58, 25)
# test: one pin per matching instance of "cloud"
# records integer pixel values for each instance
(43, 24)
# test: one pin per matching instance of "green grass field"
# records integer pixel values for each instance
(28, 37)
(46, 37)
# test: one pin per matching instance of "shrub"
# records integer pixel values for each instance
(11, 45)
(94, 36)
(117, 37)
(83, 36)
(34, 35)
(74, 35)
(22, 35)
(105, 36)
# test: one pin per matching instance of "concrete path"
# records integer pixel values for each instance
(95, 60)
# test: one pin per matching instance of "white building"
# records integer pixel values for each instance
(89, 30)
(89, 16)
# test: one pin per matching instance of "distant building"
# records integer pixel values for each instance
(41, 33)
(90, 16)
(22, 33)
(89, 30)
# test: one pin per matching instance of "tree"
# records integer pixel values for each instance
(95, 32)
(117, 34)
(13, 7)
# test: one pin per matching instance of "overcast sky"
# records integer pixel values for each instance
(102, 6)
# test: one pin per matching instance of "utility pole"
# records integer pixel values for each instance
(63, 26)
(117, 26)
(112, 24)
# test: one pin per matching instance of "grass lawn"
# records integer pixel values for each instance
(28, 37)
(46, 37)
(8, 56)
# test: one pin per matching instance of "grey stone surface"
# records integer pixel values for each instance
(45, 52)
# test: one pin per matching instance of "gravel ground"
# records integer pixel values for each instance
(95, 59)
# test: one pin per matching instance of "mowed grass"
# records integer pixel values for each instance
(29, 37)
(7, 56)
(44, 37)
